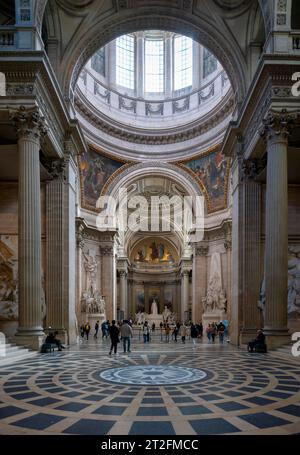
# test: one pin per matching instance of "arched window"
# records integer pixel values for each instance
(183, 62)
(125, 61)
(154, 65)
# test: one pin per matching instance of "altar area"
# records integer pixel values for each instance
(166, 317)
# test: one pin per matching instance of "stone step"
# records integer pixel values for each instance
(12, 353)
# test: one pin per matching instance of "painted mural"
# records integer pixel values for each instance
(155, 251)
(95, 171)
(212, 172)
(8, 278)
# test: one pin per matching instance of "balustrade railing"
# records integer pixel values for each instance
(154, 108)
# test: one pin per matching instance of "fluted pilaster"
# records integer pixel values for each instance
(55, 248)
(251, 253)
(185, 293)
(123, 292)
(199, 280)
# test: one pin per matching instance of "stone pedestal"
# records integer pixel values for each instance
(92, 318)
(213, 316)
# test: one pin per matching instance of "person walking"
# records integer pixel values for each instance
(96, 329)
(194, 334)
(126, 334)
(213, 332)
(146, 332)
(87, 330)
(183, 332)
(114, 337)
(221, 331)
(167, 332)
(208, 332)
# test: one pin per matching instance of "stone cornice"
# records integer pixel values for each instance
(30, 76)
(140, 136)
(269, 89)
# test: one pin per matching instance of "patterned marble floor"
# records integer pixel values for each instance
(217, 389)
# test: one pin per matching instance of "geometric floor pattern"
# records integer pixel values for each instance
(64, 393)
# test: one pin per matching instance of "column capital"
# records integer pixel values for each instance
(106, 250)
(55, 167)
(185, 272)
(28, 122)
(122, 273)
(228, 244)
(251, 168)
(277, 125)
(201, 250)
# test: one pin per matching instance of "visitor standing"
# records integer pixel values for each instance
(126, 334)
(183, 332)
(96, 329)
(87, 330)
(208, 332)
(194, 334)
(146, 332)
(167, 332)
(114, 337)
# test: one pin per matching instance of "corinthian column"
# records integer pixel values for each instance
(276, 131)
(30, 129)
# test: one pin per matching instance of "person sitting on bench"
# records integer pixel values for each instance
(259, 342)
(51, 339)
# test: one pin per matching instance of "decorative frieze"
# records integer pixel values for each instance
(154, 108)
(19, 89)
(127, 105)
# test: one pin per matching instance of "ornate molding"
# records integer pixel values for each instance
(159, 139)
(277, 125)
(201, 250)
(106, 250)
(19, 89)
(55, 168)
(29, 123)
(251, 168)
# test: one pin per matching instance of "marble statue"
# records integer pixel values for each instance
(154, 308)
(293, 293)
(140, 317)
(166, 314)
(215, 299)
(90, 266)
(293, 297)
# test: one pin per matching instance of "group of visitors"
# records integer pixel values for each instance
(214, 329)
(125, 332)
